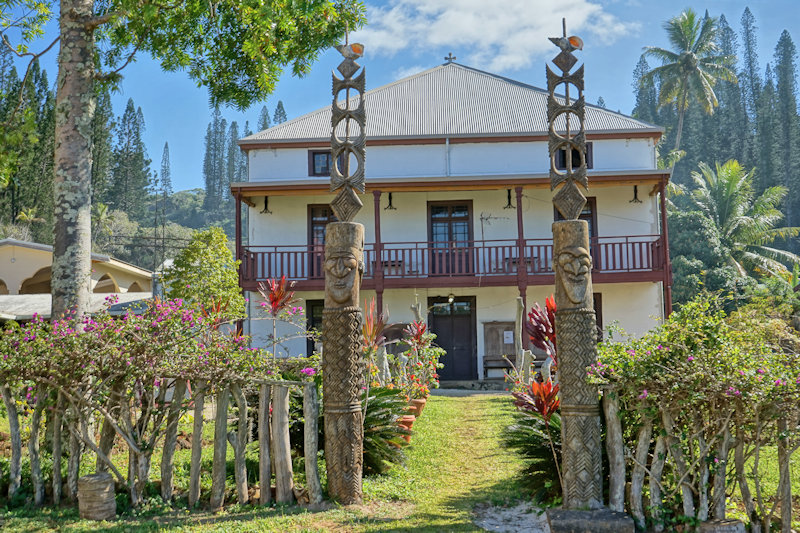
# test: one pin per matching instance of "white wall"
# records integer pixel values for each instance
(637, 307)
(465, 159)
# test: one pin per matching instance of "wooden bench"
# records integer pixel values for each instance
(494, 362)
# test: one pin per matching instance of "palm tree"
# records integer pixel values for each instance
(746, 223)
(689, 71)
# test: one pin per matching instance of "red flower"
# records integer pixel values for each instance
(373, 327)
(278, 294)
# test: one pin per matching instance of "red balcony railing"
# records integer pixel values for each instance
(415, 260)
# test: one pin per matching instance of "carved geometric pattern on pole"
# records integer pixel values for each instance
(348, 135)
(569, 200)
(576, 333)
(342, 362)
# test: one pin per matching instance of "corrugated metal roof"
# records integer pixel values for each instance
(449, 100)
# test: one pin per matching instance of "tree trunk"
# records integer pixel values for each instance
(639, 471)
(784, 480)
(615, 449)
(197, 444)
(220, 449)
(311, 445)
(108, 433)
(33, 447)
(264, 466)
(57, 422)
(281, 447)
(75, 104)
(14, 471)
(170, 439)
(239, 442)
(656, 469)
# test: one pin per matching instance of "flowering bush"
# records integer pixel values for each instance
(423, 361)
(704, 387)
(119, 369)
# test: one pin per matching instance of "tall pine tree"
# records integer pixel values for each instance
(280, 113)
(263, 119)
(749, 76)
(130, 174)
(102, 149)
(166, 173)
(787, 162)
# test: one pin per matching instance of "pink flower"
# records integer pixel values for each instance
(308, 371)
(690, 358)
(643, 395)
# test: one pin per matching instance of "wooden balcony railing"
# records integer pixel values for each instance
(416, 260)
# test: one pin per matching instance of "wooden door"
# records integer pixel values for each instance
(455, 328)
(450, 236)
(318, 218)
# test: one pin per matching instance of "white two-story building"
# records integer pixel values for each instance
(458, 211)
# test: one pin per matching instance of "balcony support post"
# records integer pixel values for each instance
(665, 245)
(522, 265)
(378, 250)
(238, 221)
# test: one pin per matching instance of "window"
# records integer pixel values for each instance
(589, 214)
(319, 163)
(561, 158)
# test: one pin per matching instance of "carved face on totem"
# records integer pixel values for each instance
(343, 280)
(575, 264)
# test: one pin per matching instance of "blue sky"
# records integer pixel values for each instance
(507, 37)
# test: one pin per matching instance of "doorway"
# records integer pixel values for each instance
(454, 324)
(450, 236)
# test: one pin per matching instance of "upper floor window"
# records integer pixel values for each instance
(561, 158)
(319, 163)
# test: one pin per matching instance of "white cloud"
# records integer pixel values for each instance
(404, 72)
(499, 35)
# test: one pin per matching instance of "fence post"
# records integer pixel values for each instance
(311, 445)
(280, 443)
(220, 449)
(197, 444)
(264, 467)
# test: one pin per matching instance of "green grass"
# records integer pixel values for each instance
(455, 462)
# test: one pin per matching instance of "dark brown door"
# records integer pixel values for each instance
(450, 235)
(455, 328)
(318, 218)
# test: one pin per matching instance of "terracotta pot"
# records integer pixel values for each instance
(417, 405)
(407, 421)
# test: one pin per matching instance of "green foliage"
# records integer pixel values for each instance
(383, 436)
(528, 436)
(205, 272)
(130, 173)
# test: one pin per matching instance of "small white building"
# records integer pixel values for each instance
(458, 191)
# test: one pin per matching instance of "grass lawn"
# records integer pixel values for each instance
(454, 463)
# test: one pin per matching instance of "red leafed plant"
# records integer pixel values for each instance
(542, 398)
(278, 295)
(541, 327)
(416, 332)
(374, 324)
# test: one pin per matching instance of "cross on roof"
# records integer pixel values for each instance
(450, 57)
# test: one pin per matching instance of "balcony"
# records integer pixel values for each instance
(458, 264)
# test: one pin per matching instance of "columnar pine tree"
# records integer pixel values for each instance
(166, 173)
(130, 175)
(750, 77)
(233, 164)
(263, 119)
(787, 161)
(280, 113)
(766, 133)
(102, 150)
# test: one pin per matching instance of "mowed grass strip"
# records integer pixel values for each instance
(455, 461)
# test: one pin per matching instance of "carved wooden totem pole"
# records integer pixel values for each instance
(576, 328)
(342, 363)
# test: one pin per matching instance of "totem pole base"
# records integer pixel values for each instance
(596, 521)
